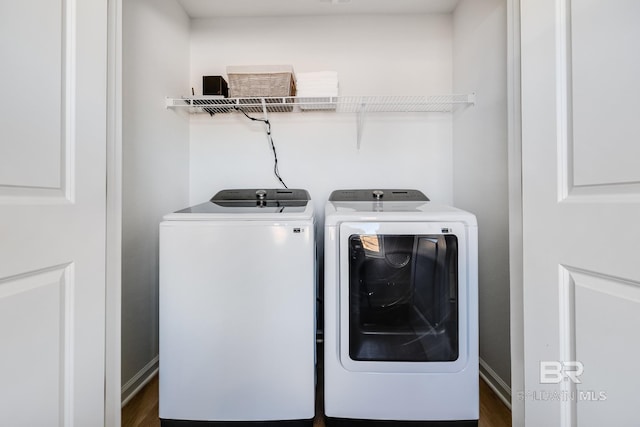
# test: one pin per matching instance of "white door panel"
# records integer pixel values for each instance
(603, 37)
(33, 84)
(34, 317)
(52, 212)
(581, 204)
(605, 330)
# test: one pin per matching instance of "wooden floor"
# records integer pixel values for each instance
(142, 410)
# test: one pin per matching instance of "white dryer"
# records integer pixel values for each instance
(401, 311)
(237, 311)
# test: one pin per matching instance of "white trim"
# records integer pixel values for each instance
(567, 327)
(112, 414)
(495, 383)
(514, 123)
(69, 363)
(139, 380)
(564, 114)
(70, 69)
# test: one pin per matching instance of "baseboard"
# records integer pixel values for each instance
(497, 384)
(139, 380)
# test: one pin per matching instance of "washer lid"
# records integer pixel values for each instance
(386, 195)
(251, 197)
(252, 204)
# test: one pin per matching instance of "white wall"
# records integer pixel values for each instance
(373, 55)
(480, 181)
(155, 167)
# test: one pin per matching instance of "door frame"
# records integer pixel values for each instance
(113, 403)
(114, 212)
(516, 254)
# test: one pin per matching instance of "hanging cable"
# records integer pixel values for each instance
(276, 172)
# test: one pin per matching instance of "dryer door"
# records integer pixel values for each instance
(403, 296)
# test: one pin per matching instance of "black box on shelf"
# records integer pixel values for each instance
(215, 85)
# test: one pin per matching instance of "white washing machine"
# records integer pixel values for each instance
(237, 311)
(401, 311)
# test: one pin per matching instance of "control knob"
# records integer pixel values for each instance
(377, 194)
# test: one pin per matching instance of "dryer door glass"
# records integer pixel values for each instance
(403, 297)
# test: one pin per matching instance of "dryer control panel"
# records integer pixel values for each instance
(386, 195)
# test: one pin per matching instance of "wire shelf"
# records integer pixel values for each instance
(340, 104)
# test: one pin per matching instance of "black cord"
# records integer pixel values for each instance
(276, 172)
